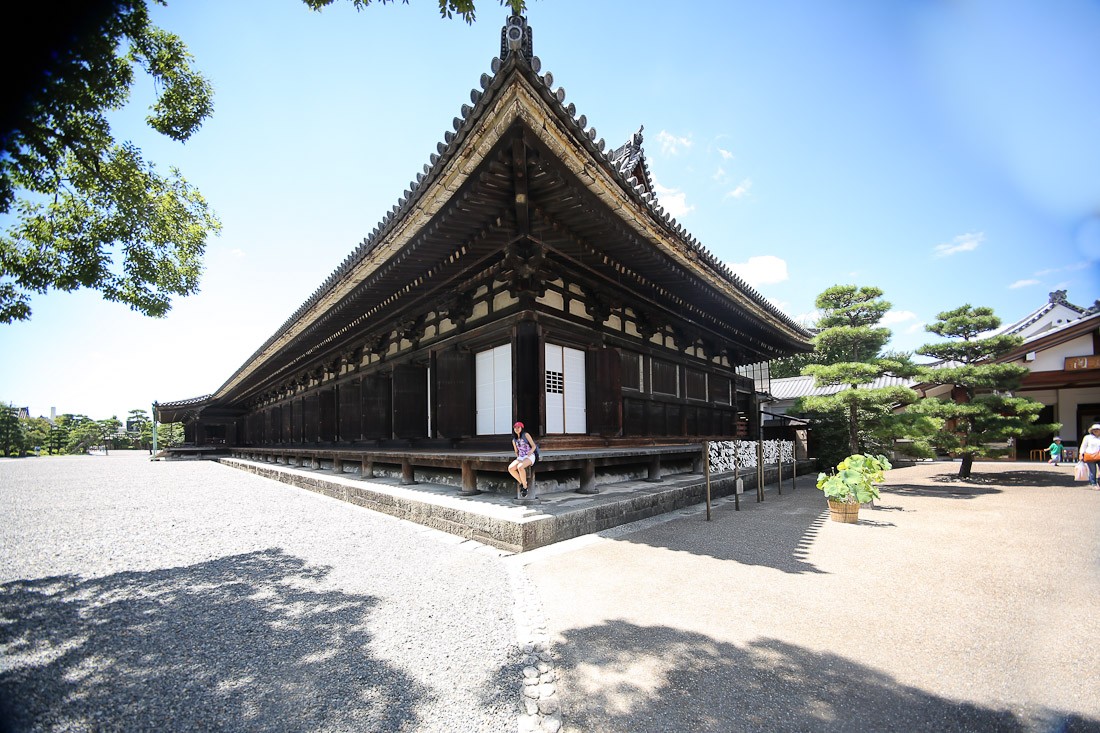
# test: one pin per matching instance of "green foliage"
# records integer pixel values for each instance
(855, 478)
(13, 440)
(37, 430)
(82, 433)
(984, 415)
(140, 429)
(169, 435)
(90, 212)
(847, 347)
(447, 8)
(791, 366)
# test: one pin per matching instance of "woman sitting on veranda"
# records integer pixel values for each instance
(524, 446)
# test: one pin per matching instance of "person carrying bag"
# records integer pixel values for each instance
(1090, 455)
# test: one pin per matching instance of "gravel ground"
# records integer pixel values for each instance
(189, 596)
(954, 606)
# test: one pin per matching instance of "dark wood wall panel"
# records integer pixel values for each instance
(377, 406)
(605, 394)
(327, 407)
(696, 384)
(351, 411)
(664, 377)
(631, 370)
(410, 399)
(527, 381)
(454, 394)
(311, 418)
(634, 417)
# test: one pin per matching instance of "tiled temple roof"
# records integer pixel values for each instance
(619, 164)
(190, 402)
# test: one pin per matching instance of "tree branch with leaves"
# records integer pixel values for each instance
(89, 210)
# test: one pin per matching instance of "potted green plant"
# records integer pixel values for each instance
(852, 484)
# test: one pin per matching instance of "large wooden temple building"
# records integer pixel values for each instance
(527, 273)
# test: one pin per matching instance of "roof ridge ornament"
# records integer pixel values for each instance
(516, 38)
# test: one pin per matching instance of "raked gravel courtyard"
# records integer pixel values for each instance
(187, 596)
(141, 596)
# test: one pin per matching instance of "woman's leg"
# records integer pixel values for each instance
(515, 470)
(1092, 473)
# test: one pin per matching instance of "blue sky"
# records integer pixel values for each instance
(946, 152)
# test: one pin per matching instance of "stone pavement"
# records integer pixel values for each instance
(953, 606)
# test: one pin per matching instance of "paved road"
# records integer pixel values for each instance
(952, 607)
(192, 596)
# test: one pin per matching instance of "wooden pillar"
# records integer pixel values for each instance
(337, 464)
(654, 469)
(314, 461)
(469, 479)
(366, 468)
(588, 478)
(407, 472)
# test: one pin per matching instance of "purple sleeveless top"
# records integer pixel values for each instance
(523, 449)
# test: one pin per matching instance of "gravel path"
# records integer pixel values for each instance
(189, 596)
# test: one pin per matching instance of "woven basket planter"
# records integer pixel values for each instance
(842, 511)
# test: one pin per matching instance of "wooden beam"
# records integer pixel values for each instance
(519, 185)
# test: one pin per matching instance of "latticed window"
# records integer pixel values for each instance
(664, 377)
(555, 382)
(696, 385)
(631, 370)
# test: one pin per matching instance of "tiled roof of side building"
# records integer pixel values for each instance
(789, 388)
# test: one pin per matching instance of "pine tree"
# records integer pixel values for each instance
(848, 344)
(982, 414)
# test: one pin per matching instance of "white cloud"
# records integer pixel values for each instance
(1022, 284)
(726, 155)
(761, 270)
(807, 319)
(672, 144)
(918, 326)
(673, 200)
(741, 191)
(962, 243)
(720, 175)
(894, 317)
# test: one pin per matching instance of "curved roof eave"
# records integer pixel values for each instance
(441, 163)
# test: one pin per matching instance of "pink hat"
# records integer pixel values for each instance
(518, 425)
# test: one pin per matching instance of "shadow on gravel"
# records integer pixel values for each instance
(955, 491)
(1017, 478)
(238, 643)
(638, 678)
(773, 534)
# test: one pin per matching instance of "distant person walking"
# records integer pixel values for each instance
(524, 446)
(1055, 451)
(1090, 453)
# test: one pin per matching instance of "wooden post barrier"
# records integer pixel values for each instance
(759, 469)
(706, 472)
(738, 484)
(779, 465)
